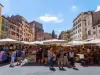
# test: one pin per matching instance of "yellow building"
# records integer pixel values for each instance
(1, 19)
(28, 33)
(15, 27)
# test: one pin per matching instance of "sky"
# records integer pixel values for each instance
(55, 15)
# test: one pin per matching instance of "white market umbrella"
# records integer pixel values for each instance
(54, 41)
(8, 40)
(77, 42)
(24, 42)
(36, 42)
(95, 41)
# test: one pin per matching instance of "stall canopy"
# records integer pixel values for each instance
(24, 42)
(54, 41)
(77, 42)
(36, 42)
(8, 40)
(95, 41)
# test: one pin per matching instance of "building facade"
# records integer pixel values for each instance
(0, 19)
(16, 29)
(47, 36)
(86, 26)
(79, 30)
(93, 25)
(65, 35)
(24, 29)
(38, 30)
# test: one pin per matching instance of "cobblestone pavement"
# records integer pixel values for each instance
(36, 70)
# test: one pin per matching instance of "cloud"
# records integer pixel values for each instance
(98, 8)
(50, 18)
(6, 4)
(74, 8)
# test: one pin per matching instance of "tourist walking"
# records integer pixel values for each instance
(51, 57)
(60, 57)
(13, 55)
(71, 57)
(66, 62)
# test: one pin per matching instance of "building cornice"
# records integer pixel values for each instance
(1, 5)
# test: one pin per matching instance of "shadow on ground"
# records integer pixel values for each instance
(3, 64)
(36, 64)
(52, 69)
(76, 69)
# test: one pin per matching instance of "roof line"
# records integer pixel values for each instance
(1, 5)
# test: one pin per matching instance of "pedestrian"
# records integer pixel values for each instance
(46, 56)
(18, 54)
(51, 57)
(13, 55)
(40, 56)
(71, 57)
(66, 62)
(26, 51)
(60, 57)
(23, 54)
(37, 55)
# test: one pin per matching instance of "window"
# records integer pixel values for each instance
(85, 23)
(88, 22)
(80, 30)
(89, 32)
(94, 32)
(98, 25)
(85, 29)
(76, 22)
(3, 27)
(76, 27)
(93, 27)
(80, 35)
(13, 33)
(79, 19)
(80, 25)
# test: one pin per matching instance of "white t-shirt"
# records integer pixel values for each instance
(71, 54)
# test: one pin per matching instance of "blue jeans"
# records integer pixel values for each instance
(51, 62)
(12, 61)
